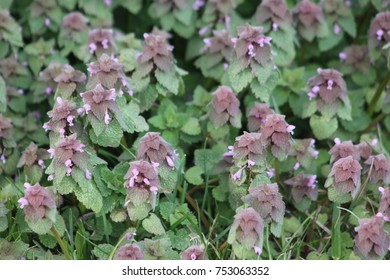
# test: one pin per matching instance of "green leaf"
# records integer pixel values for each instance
(323, 128)
(42, 226)
(153, 225)
(206, 159)
(166, 209)
(191, 127)
(194, 175)
(89, 196)
(241, 80)
(110, 136)
(169, 80)
(103, 251)
(130, 119)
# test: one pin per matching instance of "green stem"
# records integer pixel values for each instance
(61, 243)
(375, 99)
(267, 242)
(374, 122)
(336, 233)
(116, 247)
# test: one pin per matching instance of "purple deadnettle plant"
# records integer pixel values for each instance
(246, 233)
(371, 240)
(345, 176)
(256, 116)
(101, 41)
(62, 117)
(379, 168)
(276, 133)
(38, 203)
(310, 20)
(378, 34)
(384, 204)
(195, 252)
(252, 62)
(142, 185)
(303, 185)
(328, 91)
(216, 54)
(225, 107)
(154, 149)
(129, 252)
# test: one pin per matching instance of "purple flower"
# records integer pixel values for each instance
(248, 146)
(101, 41)
(69, 75)
(62, 116)
(129, 252)
(225, 107)
(74, 22)
(378, 35)
(343, 150)
(309, 17)
(69, 152)
(275, 11)
(142, 175)
(247, 229)
(384, 204)
(380, 168)
(346, 172)
(256, 116)
(37, 203)
(155, 149)
(328, 88)
(156, 53)
(100, 101)
(276, 133)
(252, 46)
(371, 240)
(267, 201)
(106, 71)
(32, 155)
(303, 150)
(355, 58)
(195, 252)
(303, 185)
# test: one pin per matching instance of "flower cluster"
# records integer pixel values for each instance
(33, 155)
(303, 185)
(62, 117)
(101, 41)
(303, 150)
(155, 149)
(246, 232)
(309, 19)
(267, 201)
(384, 204)
(276, 133)
(195, 252)
(156, 53)
(256, 116)
(225, 107)
(37, 203)
(274, 12)
(248, 147)
(252, 46)
(68, 154)
(380, 168)
(100, 101)
(106, 71)
(371, 240)
(329, 90)
(129, 252)
(216, 54)
(346, 174)
(355, 58)
(378, 34)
